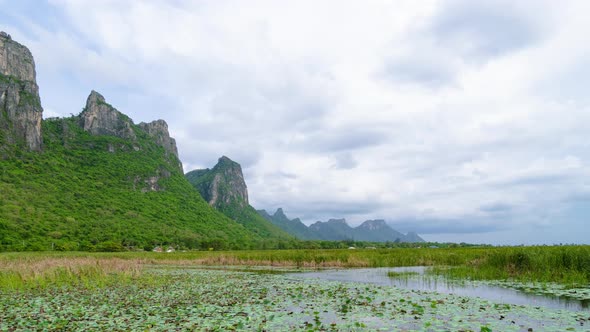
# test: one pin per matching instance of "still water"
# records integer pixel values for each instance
(424, 282)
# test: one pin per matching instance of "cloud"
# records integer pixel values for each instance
(428, 72)
(465, 226)
(483, 29)
(345, 161)
(341, 139)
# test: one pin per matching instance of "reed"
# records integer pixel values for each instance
(38, 272)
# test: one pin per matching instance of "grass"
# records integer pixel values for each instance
(85, 272)
(402, 274)
(569, 265)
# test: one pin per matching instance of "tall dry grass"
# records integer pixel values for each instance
(40, 272)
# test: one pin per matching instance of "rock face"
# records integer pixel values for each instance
(158, 130)
(224, 188)
(223, 185)
(100, 118)
(20, 106)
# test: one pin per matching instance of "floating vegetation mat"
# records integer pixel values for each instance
(547, 288)
(214, 300)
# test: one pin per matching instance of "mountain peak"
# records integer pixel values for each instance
(94, 97)
(16, 59)
(225, 162)
(5, 35)
(224, 159)
(338, 221)
(20, 109)
(279, 213)
(374, 224)
(222, 185)
(224, 188)
(100, 118)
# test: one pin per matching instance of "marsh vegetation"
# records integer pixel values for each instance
(200, 290)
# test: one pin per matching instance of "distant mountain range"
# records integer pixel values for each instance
(338, 229)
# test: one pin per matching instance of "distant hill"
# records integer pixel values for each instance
(224, 188)
(379, 231)
(338, 229)
(294, 227)
(333, 229)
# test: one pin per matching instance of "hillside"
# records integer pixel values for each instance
(86, 191)
(224, 188)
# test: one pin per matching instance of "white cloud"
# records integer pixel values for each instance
(430, 110)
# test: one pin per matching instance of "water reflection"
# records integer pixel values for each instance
(422, 282)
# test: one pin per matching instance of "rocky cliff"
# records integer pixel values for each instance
(158, 130)
(223, 185)
(100, 118)
(20, 106)
(224, 188)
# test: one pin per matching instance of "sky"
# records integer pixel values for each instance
(465, 121)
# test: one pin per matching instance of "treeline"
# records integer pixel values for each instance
(192, 243)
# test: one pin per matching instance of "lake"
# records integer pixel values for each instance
(424, 282)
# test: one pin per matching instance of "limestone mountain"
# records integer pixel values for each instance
(94, 181)
(221, 186)
(224, 188)
(94, 189)
(377, 230)
(333, 229)
(100, 118)
(292, 226)
(338, 229)
(20, 105)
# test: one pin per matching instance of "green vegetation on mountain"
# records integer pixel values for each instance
(79, 194)
(224, 188)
